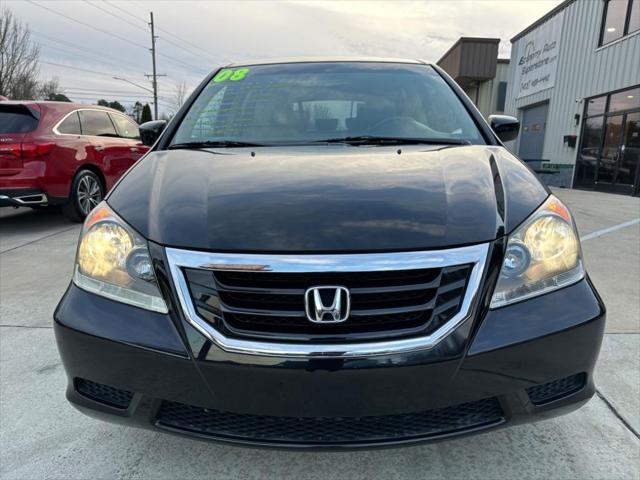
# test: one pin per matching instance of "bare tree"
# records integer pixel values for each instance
(18, 59)
(179, 96)
(51, 90)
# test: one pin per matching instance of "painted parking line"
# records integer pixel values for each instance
(604, 231)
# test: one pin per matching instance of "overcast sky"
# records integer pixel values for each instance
(195, 36)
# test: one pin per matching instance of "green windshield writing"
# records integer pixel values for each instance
(228, 74)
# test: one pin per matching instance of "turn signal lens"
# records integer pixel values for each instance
(113, 261)
(542, 255)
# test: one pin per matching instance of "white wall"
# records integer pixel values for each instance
(488, 94)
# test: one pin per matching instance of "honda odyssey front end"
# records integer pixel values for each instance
(329, 254)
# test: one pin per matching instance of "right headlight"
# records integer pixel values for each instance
(113, 261)
(543, 254)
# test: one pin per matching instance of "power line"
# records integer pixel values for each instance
(62, 49)
(114, 15)
(105, 93)
(71, 67)
(140, 9)
(111, 34)
(176, 60)
(92, 52)
(87, 25)
(77, 68)
(118, 97)
(125, 11)
(121, 97)
(114, 60)
(185, 41)
(103, 74)
(160, 54)
(166, 32)
(98, 90)
(190, 52)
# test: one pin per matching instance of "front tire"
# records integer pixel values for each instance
(86, 192)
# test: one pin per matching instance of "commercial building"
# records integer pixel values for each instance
(574, 83)
(474, 65)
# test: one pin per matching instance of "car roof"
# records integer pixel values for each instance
(60, 107)
(272, 61)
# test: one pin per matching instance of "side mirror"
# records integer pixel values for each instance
(505, 127)
(150, 131)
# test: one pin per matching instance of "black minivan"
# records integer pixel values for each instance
(329, 254)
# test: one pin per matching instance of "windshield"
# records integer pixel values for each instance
(312, 102)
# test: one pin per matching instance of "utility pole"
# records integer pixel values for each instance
(155, 75)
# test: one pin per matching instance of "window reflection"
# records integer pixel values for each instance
(590, 150)
(625, 100)
(616, 15)
(610, 149)
(634, 19)
(596, 106)
(630, 155)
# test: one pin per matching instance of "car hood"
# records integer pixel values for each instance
(328, 198)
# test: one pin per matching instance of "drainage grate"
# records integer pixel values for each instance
(330, 430)
(99, 392)
(550, 391)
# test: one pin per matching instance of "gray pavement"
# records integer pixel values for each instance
(41, 436)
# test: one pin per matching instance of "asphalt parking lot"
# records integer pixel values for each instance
(42, 436)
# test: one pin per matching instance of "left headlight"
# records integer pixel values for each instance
(543, 254)
(113, 261)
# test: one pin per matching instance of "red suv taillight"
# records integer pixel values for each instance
(13, 155)
(10, 157)
(34, 149)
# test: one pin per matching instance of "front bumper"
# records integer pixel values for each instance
(521, 363)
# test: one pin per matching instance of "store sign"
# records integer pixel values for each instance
(537, 60)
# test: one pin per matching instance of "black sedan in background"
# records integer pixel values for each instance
(329, 254)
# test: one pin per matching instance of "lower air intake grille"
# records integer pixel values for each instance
(99, 392)
(330, 430)
(550, 391)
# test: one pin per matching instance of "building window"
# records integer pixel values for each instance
(634, 16)
(609, 154)
(621, 17)
(625, 100)
(596, 105)
(502, 96)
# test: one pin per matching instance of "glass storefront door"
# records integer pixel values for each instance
(629, 166)
(609, 155)
(608, 164)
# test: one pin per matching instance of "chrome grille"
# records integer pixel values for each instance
(383, 304)
(413, 276)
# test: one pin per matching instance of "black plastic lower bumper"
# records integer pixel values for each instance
(525, 362)
(22, 197)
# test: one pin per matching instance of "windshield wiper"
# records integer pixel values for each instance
(376, 140)
(213, 144)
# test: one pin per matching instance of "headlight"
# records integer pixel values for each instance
(543, 254)
(113, 261)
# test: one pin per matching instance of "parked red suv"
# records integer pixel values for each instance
(59, 153)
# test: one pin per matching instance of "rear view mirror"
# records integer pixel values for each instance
(150, 131)
(505, 127)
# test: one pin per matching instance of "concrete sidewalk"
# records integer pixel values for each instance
(42, 436)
